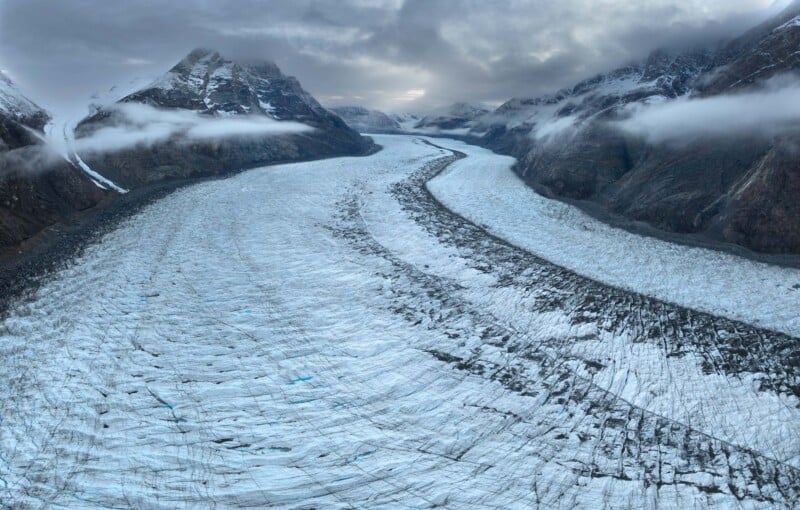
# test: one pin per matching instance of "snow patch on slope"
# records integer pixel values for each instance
(59, 135)
(13, 102)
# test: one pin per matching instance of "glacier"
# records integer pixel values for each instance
(484, 189)
(389, 332)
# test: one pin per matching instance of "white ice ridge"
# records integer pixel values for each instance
(290, 337)
(485, 190)
(60, 135)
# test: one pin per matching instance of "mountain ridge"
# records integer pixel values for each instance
(734, 189)
(267, 106)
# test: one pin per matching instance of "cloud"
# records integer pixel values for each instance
(376, 50)
(766, 112)
(143, 125)
(31, 159)
(557, 128)
(411, 95)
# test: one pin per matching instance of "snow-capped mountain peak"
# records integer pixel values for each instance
(14, 104)
(206, 81)
(364, 120)
(210, 114)
(456, 118)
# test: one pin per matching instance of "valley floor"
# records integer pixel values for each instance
(329, 335)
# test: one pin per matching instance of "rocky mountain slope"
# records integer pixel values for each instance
(208, 116)
(367, 121)
(37, 187)
(737, 186)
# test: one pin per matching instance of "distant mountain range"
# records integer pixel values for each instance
(667, 141)
(455, 119)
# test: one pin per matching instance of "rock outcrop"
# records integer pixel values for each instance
(38, 188)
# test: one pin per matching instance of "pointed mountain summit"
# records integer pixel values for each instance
(14, 105)
(452, 120)
(207, 82)
(210, 115)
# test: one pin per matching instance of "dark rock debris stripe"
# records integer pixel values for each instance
(628, 443)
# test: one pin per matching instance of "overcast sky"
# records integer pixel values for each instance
(399, 55)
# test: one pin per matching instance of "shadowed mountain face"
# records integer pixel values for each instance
(209, 116)
(456, 119)
(367, 121)
(37, 187)
(738, 186)
(456, 116)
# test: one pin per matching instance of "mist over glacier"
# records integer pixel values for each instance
(141, 124)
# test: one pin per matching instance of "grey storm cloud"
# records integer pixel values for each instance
(402, 55)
